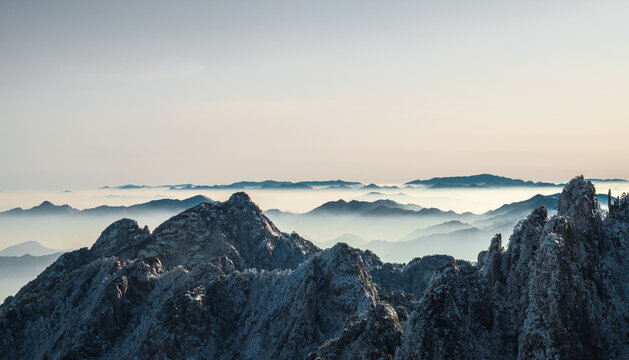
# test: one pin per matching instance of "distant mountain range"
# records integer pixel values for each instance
(459, 233)
(458, 243)
(47, 208)
(342, 207)
(394, 230)
(266, 185)
(377, 208)
(477, 181)
(443, 228)
(415, 242)
(355, 222)
(473, 181)
(606, 180)
(131, 186)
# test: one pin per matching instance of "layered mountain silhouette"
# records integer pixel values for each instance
(220, 281)
(18, 270)
(43, 209)
(476, 181)
(443, 228)
(354, 207)
(32, 248)
(265, 185)
(21, 263)
(47, 208)
(460, 234)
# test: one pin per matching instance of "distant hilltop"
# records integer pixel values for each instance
(32, 248)
(477, 181)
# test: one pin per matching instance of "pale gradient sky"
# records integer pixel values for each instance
(156, 92)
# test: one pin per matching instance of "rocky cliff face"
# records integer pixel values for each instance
(220, 281)
(557, 292)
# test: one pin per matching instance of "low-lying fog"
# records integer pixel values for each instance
(461, 227)
(456, 199)
(71, 233)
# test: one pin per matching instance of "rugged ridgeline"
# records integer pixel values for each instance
(216, 281)
(220, 281)
(558, 292)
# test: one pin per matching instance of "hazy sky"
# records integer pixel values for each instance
(96, 93)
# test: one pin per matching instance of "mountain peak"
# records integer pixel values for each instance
(579, 203)
(48, 208)
(119, 239)
(33, 248)
(239, 198)
(476, 181)
(236, 229)
(198, 198)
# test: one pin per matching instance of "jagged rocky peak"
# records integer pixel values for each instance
(453, 320)
(619, 207)
(235, 228)
(495, 249)
(337, 268)
(241, 200)
(341, 271)
(579, 203)
(557, 291)
(239, 204)
(525, 240)
(119, 239)
(403, 284)
(490, 261)
(261, 315)
(372, 335)
(583, 225)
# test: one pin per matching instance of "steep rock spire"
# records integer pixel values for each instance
(579, 203)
